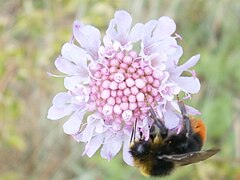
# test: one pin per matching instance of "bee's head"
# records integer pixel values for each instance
(140, 148)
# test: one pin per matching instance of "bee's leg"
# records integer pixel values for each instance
(163, 130)
(141, 135)
(132, 138)
(186, 120)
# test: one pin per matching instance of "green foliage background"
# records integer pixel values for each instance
(31, 35)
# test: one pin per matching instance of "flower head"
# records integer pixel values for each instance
(111, 85)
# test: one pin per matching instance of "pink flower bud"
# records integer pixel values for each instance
(156, 83)
(127, 59)
(105, 94)
(135, 76)
(114, 62)
(140, 97)
(127, 115)
(122, 85)
(119, 93)
(105, 84)
(120, 55)
(119, 77)
(132, 106)
(123, 66)
(131, 70)
(113, 85)
(111, 101)
(116, 126)
(113, 93)
(124, 106)
(129, 82)
(132, 98)
(112, 69)
(140, 72)
(133, 54)
(134, 90)
(139, 83)
(127, 92)
(117, 109)
(107, 110)
(150, 79)
(148, 70)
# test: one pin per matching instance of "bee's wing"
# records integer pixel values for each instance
(189, 158)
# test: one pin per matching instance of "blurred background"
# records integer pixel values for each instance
(31, 35)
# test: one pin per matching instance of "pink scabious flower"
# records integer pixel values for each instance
(111, 85)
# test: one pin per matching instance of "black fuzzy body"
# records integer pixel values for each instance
(147, 154)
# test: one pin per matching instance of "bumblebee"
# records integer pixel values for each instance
(163, 151)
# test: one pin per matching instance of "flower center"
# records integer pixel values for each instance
(122, 88)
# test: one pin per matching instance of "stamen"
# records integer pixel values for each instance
(90, 74)
(187, 96)
(177, 36)
(100, 62)
(58, 76)
(135, 59)
(72, 39)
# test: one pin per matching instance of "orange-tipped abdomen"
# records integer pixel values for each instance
(199, 128)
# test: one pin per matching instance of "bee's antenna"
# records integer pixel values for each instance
(186, 119)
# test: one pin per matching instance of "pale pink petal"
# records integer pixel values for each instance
(167, 45)
(86, 134)
(158, 61)
(107, 41)
(171, 119)
(73, 124)
(136, 32)
(57, 112)
(65, 66)
(93, 145)
(123, 20)
(70, 68)
(92, 118)
(166, 26)
(170, 45)
(188, 84)
(178, 53)
(74, 54)
(153, 42)
(61, 106)
(190, 63)
(112, 146)
(100, 128)
(192, 111)
(78, 56)
(119, 27)
(173, 59)
(148, 29)
(71, 82)
(127, 157)
(62, 98)
(88, 37)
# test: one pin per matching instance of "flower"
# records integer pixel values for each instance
(111, 85)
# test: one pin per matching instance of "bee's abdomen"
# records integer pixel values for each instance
(161, 168)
